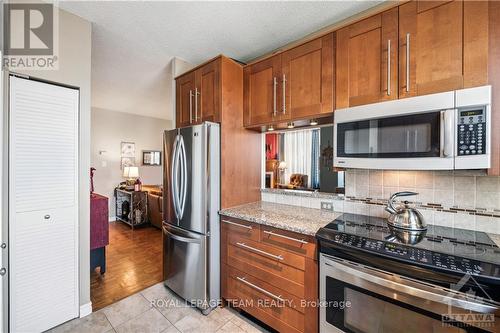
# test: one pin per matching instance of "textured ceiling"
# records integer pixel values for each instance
(133, 42)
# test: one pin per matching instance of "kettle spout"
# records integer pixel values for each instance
(390, 209)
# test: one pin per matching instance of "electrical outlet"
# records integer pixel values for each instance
(327, 206)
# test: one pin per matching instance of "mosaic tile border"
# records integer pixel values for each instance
(383, 202)
(431, 206)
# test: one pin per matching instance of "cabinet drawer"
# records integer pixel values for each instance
(257, 251)
(274, 306)
(290, 241)
(240, 228)
(262, 262)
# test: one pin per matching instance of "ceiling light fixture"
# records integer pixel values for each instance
(290, 125)
(270, 128)
(313, 122)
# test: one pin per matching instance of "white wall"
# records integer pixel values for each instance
(109, 129)
(74, 69)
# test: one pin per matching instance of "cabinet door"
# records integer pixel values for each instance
(261, 91)
(307, 79)
(431, 47)
(367, 56)
(184, 99)
(207, 102)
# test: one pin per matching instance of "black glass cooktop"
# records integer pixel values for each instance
(450, 249)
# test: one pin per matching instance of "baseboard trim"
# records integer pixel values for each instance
(85, 309)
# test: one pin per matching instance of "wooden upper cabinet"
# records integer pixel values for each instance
(261, 93)
(307, 79)
(184, 99)
(431, 47)
(208, 92)
(367, 61)
(198, 94)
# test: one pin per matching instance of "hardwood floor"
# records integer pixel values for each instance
(134, 262)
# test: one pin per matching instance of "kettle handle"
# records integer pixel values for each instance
(391, 208)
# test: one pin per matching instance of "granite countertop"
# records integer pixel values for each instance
(303, 220)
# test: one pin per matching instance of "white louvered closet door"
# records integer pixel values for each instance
(43, 205)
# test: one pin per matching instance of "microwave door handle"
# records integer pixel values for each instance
(447, 137)
(415, 140)
(407, 141)
(375, 280)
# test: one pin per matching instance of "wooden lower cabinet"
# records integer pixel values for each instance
(274, 281)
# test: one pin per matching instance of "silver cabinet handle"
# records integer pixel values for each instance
(238, 225)
(47, 217)
(274, 256)
(262, 290)
(407, 62)
(275, 85)
(284, 94)
(196, 94)
(285, 237)
(190, 106)
(3, 271)
(388, 67)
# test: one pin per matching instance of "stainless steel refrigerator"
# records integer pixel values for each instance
(191, 198)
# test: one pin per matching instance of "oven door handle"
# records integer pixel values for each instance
(373, 279)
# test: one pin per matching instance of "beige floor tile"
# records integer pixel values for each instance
(171, 329)
(126, 309)
(174, 313)
(230, 327)
(246, 325)
(151, 321)
(157, 292)
(197, 322)
(95, 322)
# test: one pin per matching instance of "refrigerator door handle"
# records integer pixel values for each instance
(180, 238)
(174, 178)
(184, 180)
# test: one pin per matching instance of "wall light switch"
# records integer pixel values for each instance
(327, 206)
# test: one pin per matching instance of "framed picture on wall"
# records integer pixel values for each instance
(128, 149)
(151, 157)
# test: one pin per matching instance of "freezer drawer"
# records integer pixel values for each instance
(185, 264)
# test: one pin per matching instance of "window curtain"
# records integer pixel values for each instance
(298, 153)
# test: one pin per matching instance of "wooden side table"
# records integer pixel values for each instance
(138, 207)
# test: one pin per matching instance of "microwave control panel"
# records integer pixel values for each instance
(471, 132)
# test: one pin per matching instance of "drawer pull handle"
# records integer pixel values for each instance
(274, 256)
(268, 293)
(285, 237)
(238, 225)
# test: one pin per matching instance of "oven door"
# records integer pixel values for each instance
(358, 298)
(409, 141)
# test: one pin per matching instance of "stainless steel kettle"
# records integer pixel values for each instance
(402, 216)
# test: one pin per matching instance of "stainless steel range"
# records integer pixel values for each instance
(379, 279)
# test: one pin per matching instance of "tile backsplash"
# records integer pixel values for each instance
(463, 189)
(460, 199)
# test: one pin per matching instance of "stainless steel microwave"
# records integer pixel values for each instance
(444, 131)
